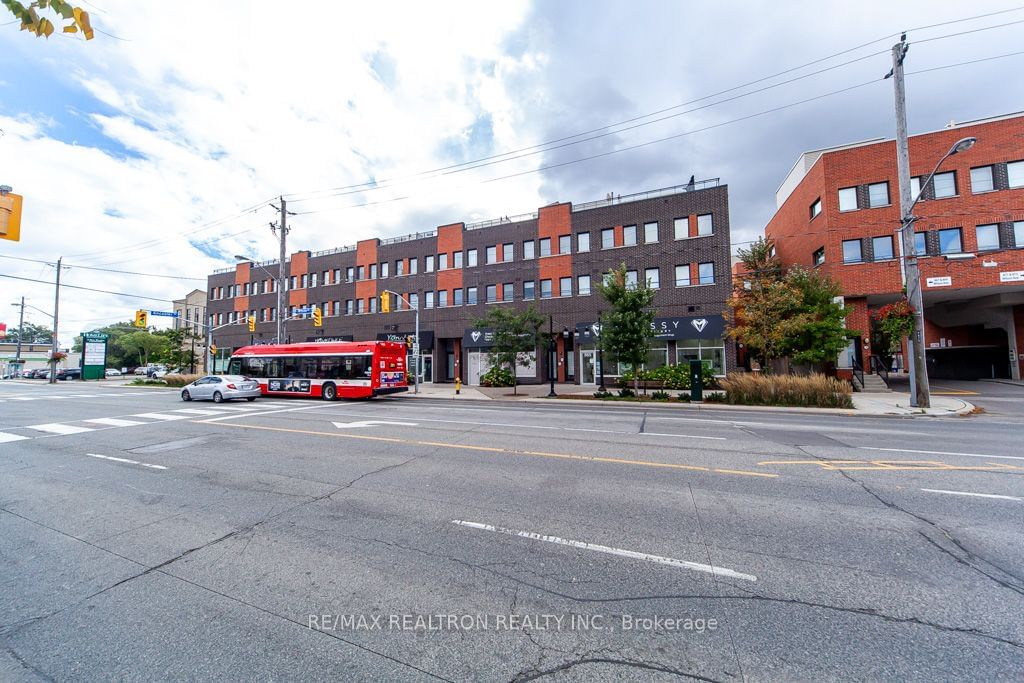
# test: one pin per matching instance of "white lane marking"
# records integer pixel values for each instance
(966, 455)
(265, 412)
(657, 559)
(242, 408)
(57, 428)
(968, 493)
(161, 416)
(113, 422)
(370, 423)
(25, 398)
(6, 438)
(126, 460)
(557, 428)
(197, 411)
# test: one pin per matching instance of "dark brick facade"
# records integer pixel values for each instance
(446, 326)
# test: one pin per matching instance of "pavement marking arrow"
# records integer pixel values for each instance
(370, 423)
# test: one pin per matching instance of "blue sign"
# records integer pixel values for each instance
(302, 311)
(165, 314)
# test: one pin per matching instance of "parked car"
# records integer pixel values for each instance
(141, 370)
(219, 388)
(69, 373)
(112, 372)
(41, 374)
(29, 374)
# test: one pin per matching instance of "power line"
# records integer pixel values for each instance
(105, 270)
(88, 289)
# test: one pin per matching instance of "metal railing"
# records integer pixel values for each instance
(504, 220)
(612, 200)
(879, 368)
(409, 238)
(858, 375)
(336, 250)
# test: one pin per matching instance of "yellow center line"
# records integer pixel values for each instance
(491, 449)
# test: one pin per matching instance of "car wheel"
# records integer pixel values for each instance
(330, 392)
(185, 396)
(217, 397)
(250, 398)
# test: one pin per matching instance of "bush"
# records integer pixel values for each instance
(180, 380)
(496, 377)
(660, 395)
(148, 383)
(626, 393)
(814, 391)
(602, 394)
(684, 396)
(674, 377)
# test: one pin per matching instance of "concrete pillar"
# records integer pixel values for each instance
(1010, 325)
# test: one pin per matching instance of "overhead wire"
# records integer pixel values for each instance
(88, 289)
(105, 270)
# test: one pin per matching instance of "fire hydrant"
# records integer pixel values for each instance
(458, 385)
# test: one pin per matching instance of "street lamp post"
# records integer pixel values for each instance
(551, 357)
(600, 355)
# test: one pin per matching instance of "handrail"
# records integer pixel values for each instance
(858, 374)
(880, 369)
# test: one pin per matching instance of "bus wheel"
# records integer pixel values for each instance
(329, 392)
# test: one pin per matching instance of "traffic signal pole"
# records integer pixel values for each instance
(56, 310)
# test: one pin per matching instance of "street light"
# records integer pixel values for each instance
(600, 354)
(551, 356)
(920, 392)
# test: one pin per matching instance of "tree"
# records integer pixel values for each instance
(117, 356)
(77, 18)
(179, 353)
(516, 336)
(33, 334)
(627, 328)
(822, 332)
(144, 343)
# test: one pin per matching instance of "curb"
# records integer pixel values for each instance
(1008, 382)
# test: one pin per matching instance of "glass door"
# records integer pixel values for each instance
(426, 368)
(588, 366)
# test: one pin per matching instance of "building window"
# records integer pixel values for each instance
(705, 225)
(629, 236)
(305, 281)
(881, 247)
(337, 278)
(471, 258)
(442, 298)
(878, 194)
(683, 275)
(360, 306)
(944, 184)
(819, 256)
(708, 351)
(456, 259)
(920, 244)
(428, 264)
(326, 278)
(507, 292)
(348, 306)
(650, 233)
(583, 285)
(1018, 234)
(442, 261)
(492, 293)
(245, 289)
(583, 241)
(950, 241)
(373, 304)
(988, 237)
(981, 179)
(384, 270)
(507, 255)
(564, 244)
(1015, 174)
(350, 273)
(373, 272)
(457, 297)
(471, 295)
(414, 300)
(491, 254)
(608, 238)
(545, 289)
(652, 276)
(706, 273)
(428, 299)
(816, 207)
(682, 227)
(528, 252)
(360, 273)
(565, 286)
(414, 266)
(631, 279)
(399, 268)
(528, 290)
(545, 246)
(851, 251)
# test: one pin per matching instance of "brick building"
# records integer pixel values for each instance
(838, 211)
(191, 312)
(676, 238)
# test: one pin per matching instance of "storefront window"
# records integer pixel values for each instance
(709, 350)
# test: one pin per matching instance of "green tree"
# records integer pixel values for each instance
(178, 353)
(516, 337)
(33, 334)
(144, 344)
(117, 356)
(76, 19)
(626, 330)
(821, 333)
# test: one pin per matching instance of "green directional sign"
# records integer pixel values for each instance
(94, 355)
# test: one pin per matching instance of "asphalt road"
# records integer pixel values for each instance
(411, 539)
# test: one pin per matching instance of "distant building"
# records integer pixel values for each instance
(191, 312)
(838, 211)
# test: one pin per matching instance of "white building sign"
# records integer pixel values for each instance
(945, 281)
(1011, 276)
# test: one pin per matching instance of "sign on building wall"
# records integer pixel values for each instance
(686, 327)
(1011, 276)
(477, 339)
(944, 281)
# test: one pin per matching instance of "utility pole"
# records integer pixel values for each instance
(920, 395)
(282, 228)
(56, 309)
(21, 333)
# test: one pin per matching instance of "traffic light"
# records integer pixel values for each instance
(141, 319)
(385, 302)
(318, 317)
(10, 215)
(213, 349)
(252, 323)
(410, 341)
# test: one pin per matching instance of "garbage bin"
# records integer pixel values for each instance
(696, 380)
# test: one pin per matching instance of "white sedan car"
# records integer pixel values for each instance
(112, 372)
(219, 388)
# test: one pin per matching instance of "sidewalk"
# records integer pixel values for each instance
(1011, 382)
(888, 404)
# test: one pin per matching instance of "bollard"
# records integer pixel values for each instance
(696, 381)
(458, 385)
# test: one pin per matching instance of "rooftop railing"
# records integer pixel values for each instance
(504, 220)
(613, 200)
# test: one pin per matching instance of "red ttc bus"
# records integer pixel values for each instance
(327, 370)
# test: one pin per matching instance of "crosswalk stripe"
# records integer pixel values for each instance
(113, 422)
(5, 437)
(161, 416)
(197, 411)
(58, 428)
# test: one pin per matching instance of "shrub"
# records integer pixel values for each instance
(660, 395)
(715, 397)
(602, 394)
(675, 377)
(684, 397)
(148, 383)
(496, 377)
(180, 380)
(816, 390)
(626, 393)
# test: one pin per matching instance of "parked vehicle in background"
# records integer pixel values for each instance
(42, 374)
(112, 372)
(141, 370)
(29, 374)
(69, 373)
(219, 388)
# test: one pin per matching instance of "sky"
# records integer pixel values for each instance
(157, 147)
